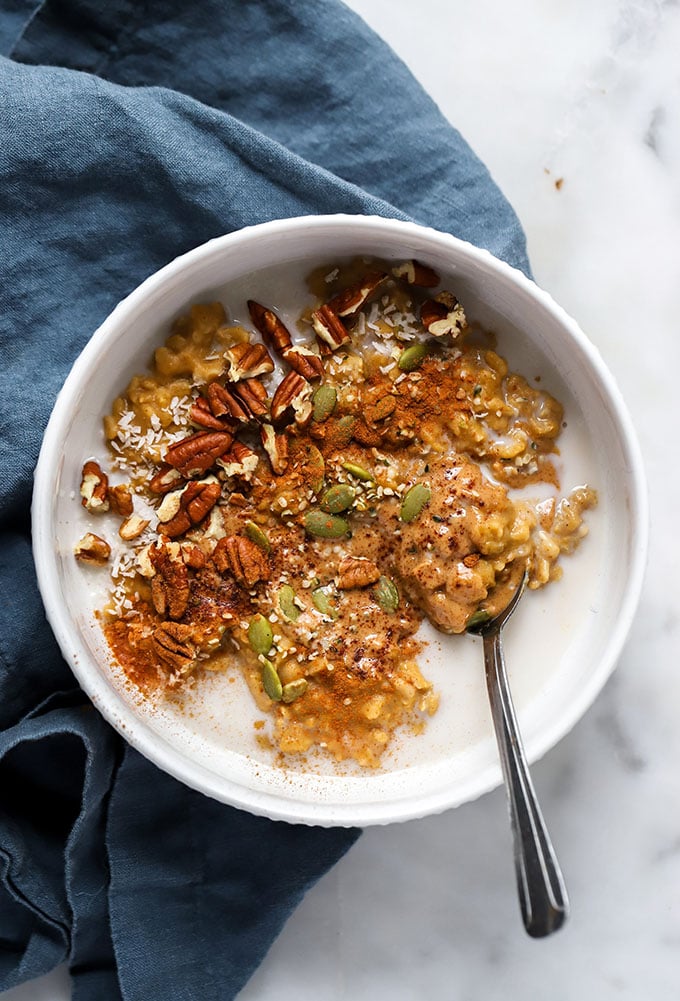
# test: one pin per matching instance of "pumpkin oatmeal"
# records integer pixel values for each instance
(297, 501)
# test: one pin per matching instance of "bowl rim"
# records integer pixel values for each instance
(122, 715)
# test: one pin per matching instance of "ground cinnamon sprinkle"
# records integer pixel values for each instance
(304, 533)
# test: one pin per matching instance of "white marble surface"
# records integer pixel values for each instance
(589, 93)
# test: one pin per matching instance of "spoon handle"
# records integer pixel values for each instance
(542, 894)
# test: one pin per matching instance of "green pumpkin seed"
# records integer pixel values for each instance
(294, 689)
(256, 535)
(321, 600)
(287, 603)
(260, 635)
(412, 357)
(343, 431)
(325, 526)
(359, 472)
(384, 408)
(271, 681)
(414, 501)
(338, 498)
(478, 618)
(324, 400)
(387, 595)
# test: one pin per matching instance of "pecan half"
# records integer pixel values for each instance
(292, 400)
(166, 479)
(243, 559)
(94, 488)
(194, 455)
(328, 327)
(350, 300)
(443, 315)
(170, 584)
(240, 460)
(415, 273)
(274, 331)
(120, 500)
(253, 396)
(245, 361)
(92, 549)
(304, 361)
(172, 644)
(202, 416)
(356, 571)
(188, 507)
(275, 444)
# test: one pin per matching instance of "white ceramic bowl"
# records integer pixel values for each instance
(563, 641)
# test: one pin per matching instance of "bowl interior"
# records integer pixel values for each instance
(563, 640)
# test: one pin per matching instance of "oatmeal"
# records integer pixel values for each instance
(297, 501)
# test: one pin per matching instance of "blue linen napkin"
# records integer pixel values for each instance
(130, 133)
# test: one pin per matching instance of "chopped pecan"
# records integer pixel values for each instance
(240, 460)
(246, 360)
(350, 300)
(92, 549)
(188, 507)
(202, 416)
(292, 400)
(170, 585)
(172, 644)
(132, 527)
(304, 361)
(329, 327)
(443, 315)
(274, 331)
(197, 453)
(94, 488)
(275, 444)
(120, 500)
(193, 556)
(243, 559)
(166, 479)
(415, 273)
(356, 571)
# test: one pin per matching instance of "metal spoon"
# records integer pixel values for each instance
(542, 893)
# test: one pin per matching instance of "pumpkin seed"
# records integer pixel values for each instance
(294, 689)
(287, 603)
(343, 431)
(478, 618)
(338, 498)
(324, 400)
(412, 357)
(384, 408)
(271, 681)
(358, 471)
(325, 526)
(414, 501)
(321, 600)
(387, 595)
(256, 535)
(260, 635)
